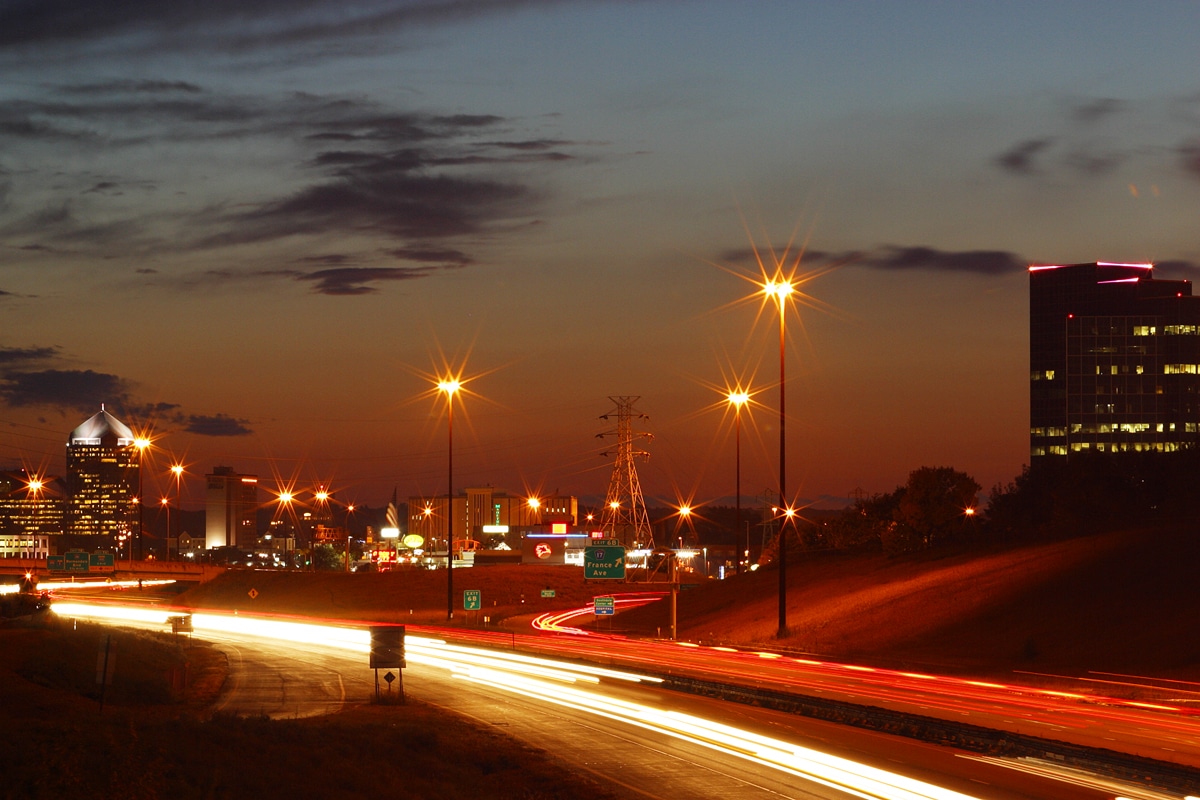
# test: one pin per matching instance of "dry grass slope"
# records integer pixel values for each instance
(1119, 602)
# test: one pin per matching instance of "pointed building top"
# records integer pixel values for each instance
(102, 428)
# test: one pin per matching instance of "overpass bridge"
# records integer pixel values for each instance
(122, 570)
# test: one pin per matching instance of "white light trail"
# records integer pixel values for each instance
(550, 681)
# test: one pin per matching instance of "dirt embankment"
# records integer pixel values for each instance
(1123, 602)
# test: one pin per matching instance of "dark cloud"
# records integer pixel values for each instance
(25, 355)
(405, 177)
(1092, 163)
(82, 390)
(19, 126)
(981, 262)
(445, 256)
(329, 259)
(131, 87)
(59, 223)
(397, 205)
(1189, 155)
(1019, 159)
(355, 280)
(749, 256)
(216, 425)
(892, 257)
(306, 28)
(532, 144)
(1097, 109)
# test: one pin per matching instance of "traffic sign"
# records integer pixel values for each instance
(387, 647)
(56, 563)
(472, 600)
(100, 560)
(604, 563)
(605, 542)
(547, 593)
(604, 606)
(76, 561)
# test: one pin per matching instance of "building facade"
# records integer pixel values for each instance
(103, 466)
(31, 505)
(1114, 357)
(231, 508)
(484, 512)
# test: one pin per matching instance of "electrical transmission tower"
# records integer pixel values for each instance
(624, 516)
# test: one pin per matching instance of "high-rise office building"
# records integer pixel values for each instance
(1114, 358)
(102, 477)
(31, 504)
(230, 512)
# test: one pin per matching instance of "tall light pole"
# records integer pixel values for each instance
(450, 387)
(321, 499)
(782, 289)
(285, 513)
(737, 399)
(177, 474)
(141, 443)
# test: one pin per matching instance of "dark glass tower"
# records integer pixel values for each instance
(1114, 359)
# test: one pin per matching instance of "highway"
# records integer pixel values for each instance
(620, 726)
(1165, 728)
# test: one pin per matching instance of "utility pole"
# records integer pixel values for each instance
(624, 514)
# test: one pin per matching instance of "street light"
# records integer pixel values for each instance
(141, 443)
(685, 518)
(781, 290)
(737, 399)
(450, 386)
(177, 474)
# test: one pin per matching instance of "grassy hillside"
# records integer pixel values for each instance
(156, 738)
(1123, 602)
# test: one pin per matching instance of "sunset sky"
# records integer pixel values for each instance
(263, 228)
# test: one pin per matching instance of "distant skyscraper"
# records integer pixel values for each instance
(230, 518)
(1114, 358)
(102, 477)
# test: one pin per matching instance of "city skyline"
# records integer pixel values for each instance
(265, 233)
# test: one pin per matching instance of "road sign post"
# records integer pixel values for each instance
(387, 650)
(472, 600)
(604, 606)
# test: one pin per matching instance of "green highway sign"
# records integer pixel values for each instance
(547, 593)
(604, 563)
(76, 561)
(100, 560)
(472, 600)
(56, 563)
(603, 606)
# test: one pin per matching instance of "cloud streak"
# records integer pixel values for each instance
(904, 258)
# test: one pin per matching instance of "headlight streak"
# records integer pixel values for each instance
(419, 649)
(556, 621)
(828, 770)
(531, 677)
(62, 586)
(1076, 777)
